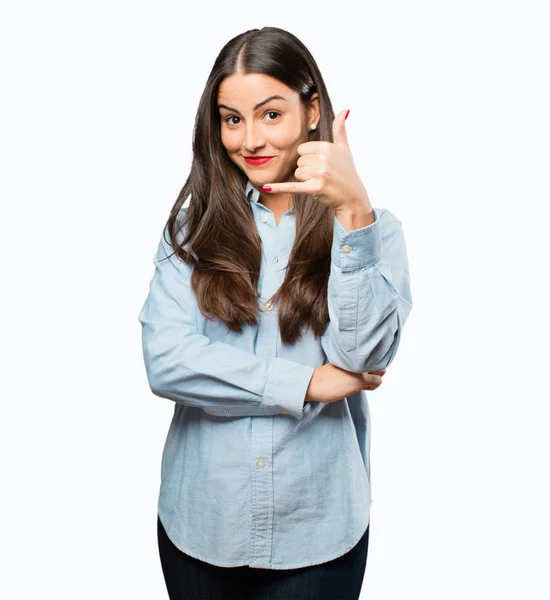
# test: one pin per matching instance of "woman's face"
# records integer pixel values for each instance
(275, 128)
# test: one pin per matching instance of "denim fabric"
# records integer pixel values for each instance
(251, 474)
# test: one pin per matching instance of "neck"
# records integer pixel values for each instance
(276, 202)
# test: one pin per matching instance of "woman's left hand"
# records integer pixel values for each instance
(326, 171)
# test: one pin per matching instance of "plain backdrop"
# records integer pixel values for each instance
(449, 129)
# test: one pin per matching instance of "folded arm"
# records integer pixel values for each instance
(185, 366)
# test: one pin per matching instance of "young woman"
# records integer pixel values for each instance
(268, 315)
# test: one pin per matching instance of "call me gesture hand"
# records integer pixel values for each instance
(326, 170)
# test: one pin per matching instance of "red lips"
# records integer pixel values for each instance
(257, 160)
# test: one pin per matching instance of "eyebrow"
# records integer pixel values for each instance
(276, 97)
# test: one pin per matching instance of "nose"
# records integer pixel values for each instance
(253, 139)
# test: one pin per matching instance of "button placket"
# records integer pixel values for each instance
(262, 508)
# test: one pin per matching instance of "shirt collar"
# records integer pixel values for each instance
(252, 194)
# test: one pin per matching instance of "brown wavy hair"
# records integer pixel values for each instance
(220, 232)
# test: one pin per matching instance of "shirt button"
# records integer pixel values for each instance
(276, 259)
(260, 463)
(268, 305)
(346, 248)
(264, 218)
(285, 412)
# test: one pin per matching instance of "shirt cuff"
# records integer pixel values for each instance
(352, 250)
(287, 386)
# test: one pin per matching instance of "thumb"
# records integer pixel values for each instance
(339, 129)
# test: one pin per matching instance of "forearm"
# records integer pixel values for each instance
(369, 296)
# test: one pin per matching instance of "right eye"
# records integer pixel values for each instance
(231, 117)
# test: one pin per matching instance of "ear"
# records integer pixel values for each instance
(313, 111)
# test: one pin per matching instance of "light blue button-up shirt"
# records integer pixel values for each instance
(251, 474)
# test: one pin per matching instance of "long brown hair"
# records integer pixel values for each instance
(220, 232)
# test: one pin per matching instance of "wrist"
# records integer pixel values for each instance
(356, 214)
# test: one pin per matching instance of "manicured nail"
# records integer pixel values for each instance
(266, 188)
(347, 114)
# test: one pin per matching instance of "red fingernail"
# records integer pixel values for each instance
(347, 114)
(266, 188)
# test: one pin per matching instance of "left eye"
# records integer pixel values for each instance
(272, 112)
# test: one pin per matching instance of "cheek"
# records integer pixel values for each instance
(287, 137)
(231, 141)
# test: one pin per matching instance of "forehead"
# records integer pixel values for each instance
(247, 90)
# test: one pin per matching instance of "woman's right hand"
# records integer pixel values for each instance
(331, 383)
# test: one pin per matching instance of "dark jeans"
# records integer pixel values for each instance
(188, 578)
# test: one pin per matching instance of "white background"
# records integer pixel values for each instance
(449, 128)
